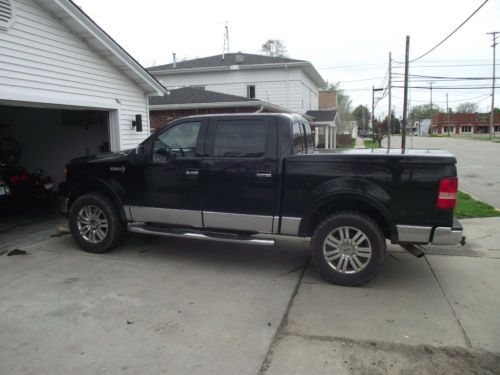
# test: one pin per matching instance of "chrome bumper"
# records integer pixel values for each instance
(63, 205)
(425, 235)
(446, 236)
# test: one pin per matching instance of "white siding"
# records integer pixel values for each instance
(43, 61)
(288, 88)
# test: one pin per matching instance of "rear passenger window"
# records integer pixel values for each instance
(240, 139)
(297, 138)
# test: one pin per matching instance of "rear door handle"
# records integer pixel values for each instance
(264, 175)
(191, 172)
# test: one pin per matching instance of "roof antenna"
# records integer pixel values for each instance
(174, 60)
(225, 47)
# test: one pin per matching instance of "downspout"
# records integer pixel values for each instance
(287, 87)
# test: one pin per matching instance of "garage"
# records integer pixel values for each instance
(67, 89)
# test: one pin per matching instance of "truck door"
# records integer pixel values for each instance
(169, 182)
(239, 174)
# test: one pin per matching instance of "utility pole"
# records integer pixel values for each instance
(389, 118)
(430, 83)
(373, 105)
(447, 115)
(405, 94)
(492, 114)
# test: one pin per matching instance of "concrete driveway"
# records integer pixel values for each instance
(158, 305)
(478, 163)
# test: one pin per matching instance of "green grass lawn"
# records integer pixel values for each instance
(467, 207)
(370, 144)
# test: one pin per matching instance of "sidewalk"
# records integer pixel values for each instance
(359, 143)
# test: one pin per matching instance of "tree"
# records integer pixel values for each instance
(274, 48)
(362, 116)
(467, 107)
(395, 124)
(419, 112)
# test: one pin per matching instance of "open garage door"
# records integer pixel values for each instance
(49, 137)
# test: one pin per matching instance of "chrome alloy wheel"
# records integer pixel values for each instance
(347, 250)
(92, 224)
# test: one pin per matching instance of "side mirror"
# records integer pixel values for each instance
(138, 155)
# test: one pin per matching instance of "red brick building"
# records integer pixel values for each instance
(188, 101)
(464, 123)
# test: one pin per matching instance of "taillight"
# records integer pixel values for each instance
(448, 191)
(24, 178)
(14, 179)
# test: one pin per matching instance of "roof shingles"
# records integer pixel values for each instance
(190, 95)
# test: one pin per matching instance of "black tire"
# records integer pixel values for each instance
(116, 227)
(346, 274)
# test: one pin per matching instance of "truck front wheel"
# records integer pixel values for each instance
(95, 223)
(348, 248)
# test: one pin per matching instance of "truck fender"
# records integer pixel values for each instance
(342, 189)
(111, 188)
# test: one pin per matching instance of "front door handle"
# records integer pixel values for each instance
(264, 175)
(191, 172)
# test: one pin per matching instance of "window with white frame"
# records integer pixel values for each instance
(466, 129)
(497, 128)
(6, 14)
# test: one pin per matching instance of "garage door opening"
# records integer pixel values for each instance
(50, 138)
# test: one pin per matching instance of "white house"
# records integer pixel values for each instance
(287, 83)
(67, 88)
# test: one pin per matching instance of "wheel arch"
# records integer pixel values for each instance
(351, 201)
(92, 184)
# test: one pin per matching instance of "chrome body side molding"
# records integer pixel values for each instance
(446, 236)
(290, 226)
(165, 216)
(250, 223)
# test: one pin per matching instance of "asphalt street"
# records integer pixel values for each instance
(478, 163)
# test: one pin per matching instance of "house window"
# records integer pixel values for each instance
(251, 91)
(466, 129)
(497, 128)
(6, 14)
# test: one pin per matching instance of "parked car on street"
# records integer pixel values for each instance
(245, 178)
(365, 134)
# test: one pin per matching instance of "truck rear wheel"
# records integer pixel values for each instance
(348, 248)
(95, 223)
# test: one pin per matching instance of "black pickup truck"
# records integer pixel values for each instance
(247, 178)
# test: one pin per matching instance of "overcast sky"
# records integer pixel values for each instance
(346, 41)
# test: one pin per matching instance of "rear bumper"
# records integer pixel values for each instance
(447, 235)
(436, 236)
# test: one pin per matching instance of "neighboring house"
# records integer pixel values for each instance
(67, 89)
(287, 83)
(188, 101)
(324, 125)
(464, 123)
(421, 127)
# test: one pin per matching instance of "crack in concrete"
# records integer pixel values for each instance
(284, 321)
(468, 343)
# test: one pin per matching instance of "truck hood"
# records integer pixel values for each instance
(106, 157)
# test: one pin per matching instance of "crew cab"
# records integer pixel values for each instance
(251, 177)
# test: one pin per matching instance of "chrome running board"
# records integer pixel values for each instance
(199, 235)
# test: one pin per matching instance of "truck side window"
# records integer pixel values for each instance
(240, 139)
(178, 141)
(297, 138)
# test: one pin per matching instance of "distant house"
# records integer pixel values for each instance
(324, 125)
(287, 83)
(188, 101)
(464, 123)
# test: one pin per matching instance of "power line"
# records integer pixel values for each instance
(449, 35)
(447, 78)
(450, 87)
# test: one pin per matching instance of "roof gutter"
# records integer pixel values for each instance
(243, 104)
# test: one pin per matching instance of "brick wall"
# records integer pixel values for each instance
(327, 99)
(159, 119)
(479, 122)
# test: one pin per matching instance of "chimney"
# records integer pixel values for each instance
(175, 62)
